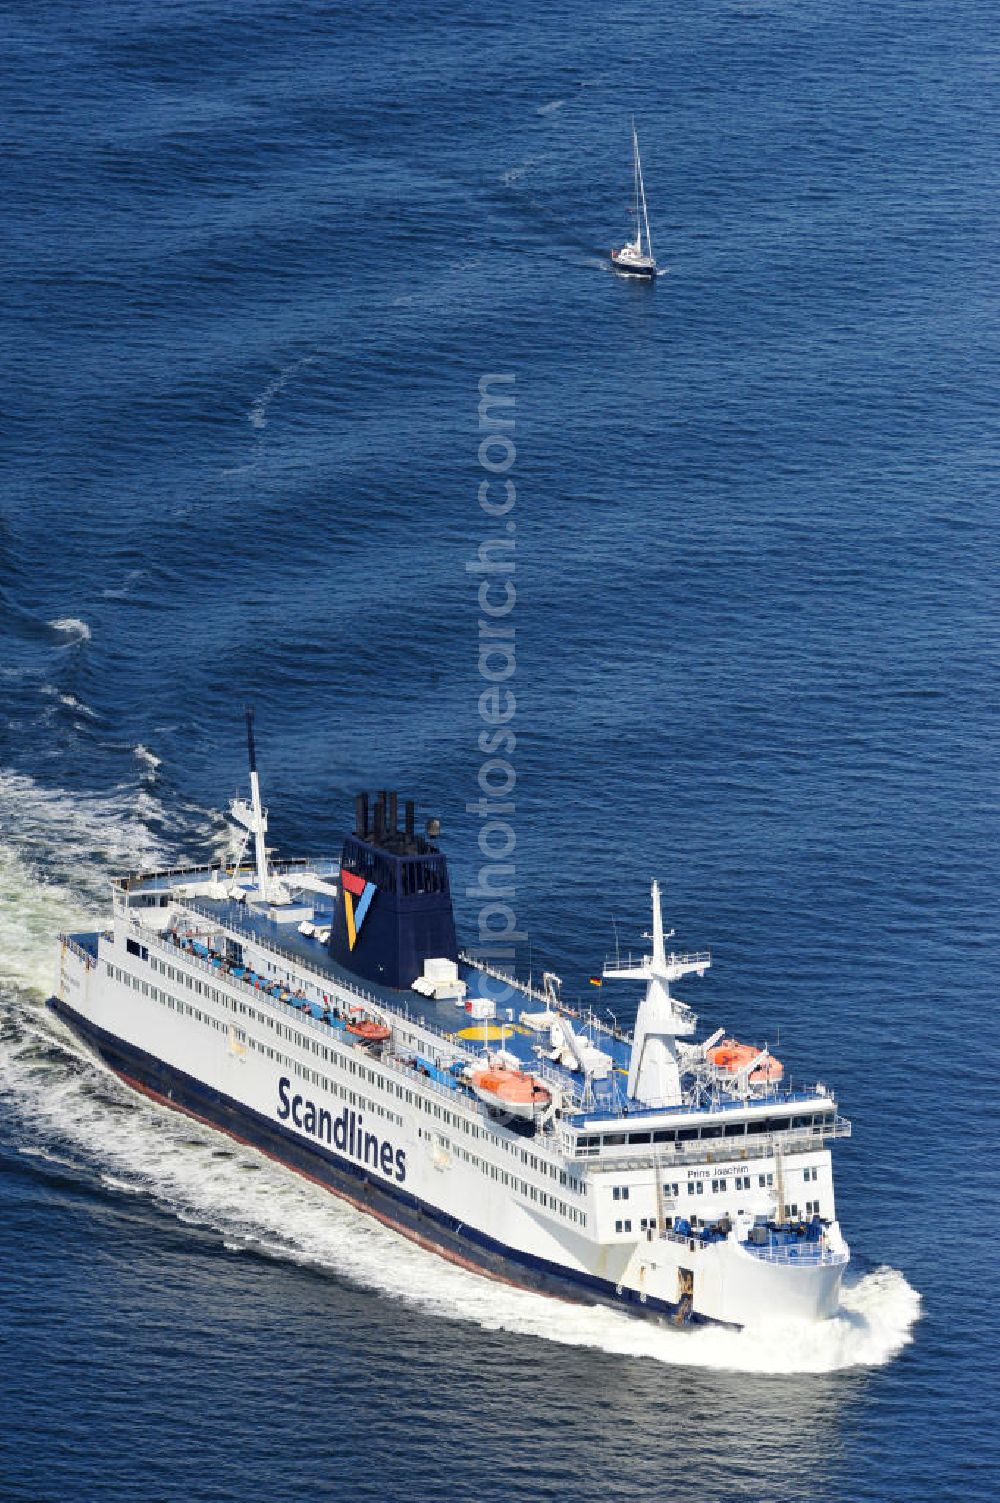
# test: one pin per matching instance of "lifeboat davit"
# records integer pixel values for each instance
(369, 1032)
(730, 1057)
(512, 1091)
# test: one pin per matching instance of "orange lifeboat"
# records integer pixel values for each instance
(730, 1057)
(512, 1091)
(369, 1032)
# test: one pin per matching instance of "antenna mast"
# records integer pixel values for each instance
(252, 817)
(259, 816)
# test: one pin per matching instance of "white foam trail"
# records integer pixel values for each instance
(81, 836)
(57, 851)
(32, 912)
(70, 701)
(146, 757)
(257, 416)
(73, 628)
(551, 107)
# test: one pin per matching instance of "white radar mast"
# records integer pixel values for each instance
(654, 1076)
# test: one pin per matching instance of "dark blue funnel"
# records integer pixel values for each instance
(393, 910)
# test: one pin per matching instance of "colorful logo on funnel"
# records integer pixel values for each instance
(358, 896)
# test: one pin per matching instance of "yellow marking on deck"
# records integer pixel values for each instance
(488, 1032)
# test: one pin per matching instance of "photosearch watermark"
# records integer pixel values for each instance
(495, 569)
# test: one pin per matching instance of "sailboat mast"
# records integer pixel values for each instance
(641, 191)
(635, 181)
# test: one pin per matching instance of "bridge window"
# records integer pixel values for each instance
(639, 1137)
(735, 1129)
(665, 1135)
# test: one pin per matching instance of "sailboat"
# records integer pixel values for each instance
(636, 257)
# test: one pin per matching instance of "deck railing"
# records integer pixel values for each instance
(87, 956)
(589, 1019)
(806, 1252)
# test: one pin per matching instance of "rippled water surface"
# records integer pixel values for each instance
(257, 260)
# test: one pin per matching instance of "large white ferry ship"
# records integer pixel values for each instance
(322, 1011)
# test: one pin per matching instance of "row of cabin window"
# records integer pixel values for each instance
(721, 1186)
(353, 1098)
(202, 988)
(453, 1119)
(704, 1134)
(541, 1197)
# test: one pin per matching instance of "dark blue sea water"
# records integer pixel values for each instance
(256, 261)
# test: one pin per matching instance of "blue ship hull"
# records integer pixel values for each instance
(389, 1203)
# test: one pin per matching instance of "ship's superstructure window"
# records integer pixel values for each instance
(619, 1192)
(810, 1174)
(696, 1187)
(743, 1182)
(672, 1188)
(719, 1186)
(765, 1179)
(588, 1145)
(623, 1226)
